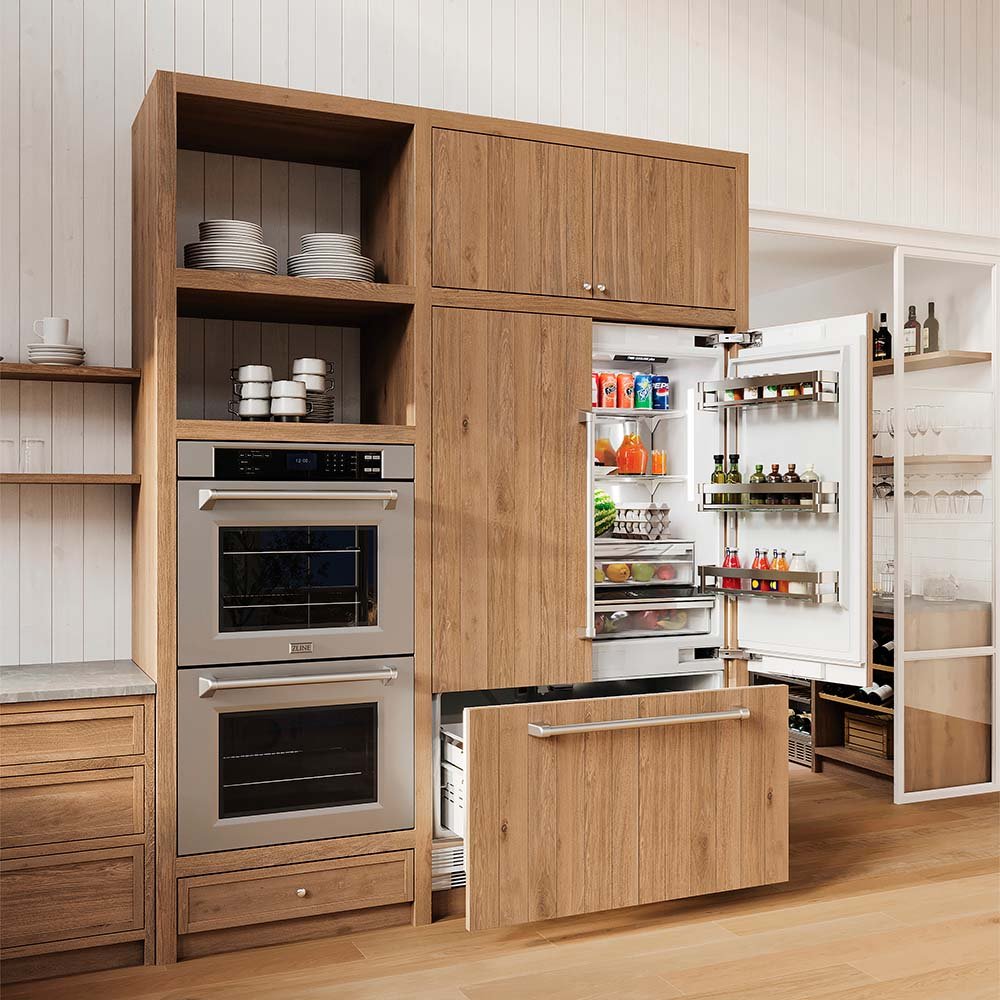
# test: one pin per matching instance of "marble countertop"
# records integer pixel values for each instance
(61, 681)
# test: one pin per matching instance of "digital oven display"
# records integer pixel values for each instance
(278, 464)
(302, 461)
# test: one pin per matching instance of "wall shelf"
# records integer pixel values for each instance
(68, 373)
(928, 362)
(69, 479)
(276, 298)
(265, 430)
(882, 461)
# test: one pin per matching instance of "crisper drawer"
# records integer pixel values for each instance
(638, 615)
(580, 806)
(622, 565)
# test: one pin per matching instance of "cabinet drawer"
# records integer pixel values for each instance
(75, 805)
(678, 801)
(74, 734)
(232, 899)
(67, 896)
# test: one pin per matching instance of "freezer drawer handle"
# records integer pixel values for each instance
(208, 686)
(207, 499)
(540, 729)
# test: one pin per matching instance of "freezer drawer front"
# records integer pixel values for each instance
(668, 795)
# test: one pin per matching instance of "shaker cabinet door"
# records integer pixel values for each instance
(510, 506)
(511, 215)
(662, 796)
(665, 231)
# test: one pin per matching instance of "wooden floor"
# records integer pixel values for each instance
(884, 902)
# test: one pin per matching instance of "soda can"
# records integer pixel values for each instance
(596, 389)
(626, 390)
(643, 392)
(661, 392)
(607, 384)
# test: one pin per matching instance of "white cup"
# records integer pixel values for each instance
(313, 383)
(54, 329)
(253, 408)
(288, 407)
(310, 366)
(254, 373)
(255, 390)
(287, 389)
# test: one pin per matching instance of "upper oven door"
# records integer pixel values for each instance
(271, 571)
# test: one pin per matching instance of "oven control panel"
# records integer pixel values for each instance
(291, 464)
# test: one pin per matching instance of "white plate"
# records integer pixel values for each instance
(345, 268)
(65, 361)
(330, 239)
(56, 354)
(325, 254)
(232, 267)
(234, 227)
(231, 246)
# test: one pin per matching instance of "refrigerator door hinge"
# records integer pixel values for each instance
(738, 654)
(752, 338)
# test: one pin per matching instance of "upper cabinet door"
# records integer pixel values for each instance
(664, 231)
(511, 509)
(511, 215)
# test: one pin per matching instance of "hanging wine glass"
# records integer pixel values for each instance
(911, 427)
(942, 502)
(878, 425)
(890, 425)
(960, 499)
(976, 502)
(922, 417)
(937, 425)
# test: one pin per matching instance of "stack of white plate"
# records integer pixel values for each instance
(55, 354)
(331, 255)
(231, 245)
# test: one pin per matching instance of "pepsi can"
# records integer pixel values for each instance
(661, 392)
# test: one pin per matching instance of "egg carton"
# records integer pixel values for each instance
(642, 522)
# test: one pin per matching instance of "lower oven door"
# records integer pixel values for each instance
(279, 571)
(278, 753)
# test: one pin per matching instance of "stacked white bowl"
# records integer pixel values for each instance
(231, 245)
(331, 255)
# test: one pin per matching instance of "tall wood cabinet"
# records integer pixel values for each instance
(509, 460)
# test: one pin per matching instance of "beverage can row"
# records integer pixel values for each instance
(630, 390)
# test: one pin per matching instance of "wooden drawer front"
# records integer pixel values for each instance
(70, 896)
(583, 822)
(211, 902)
(78, 734)
(75, 805)
(511, 215)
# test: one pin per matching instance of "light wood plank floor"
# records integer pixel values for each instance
(884, 902)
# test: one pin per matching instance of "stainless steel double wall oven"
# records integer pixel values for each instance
(294, 642)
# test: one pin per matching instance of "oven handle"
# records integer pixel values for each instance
(207, 499)
(208, 686)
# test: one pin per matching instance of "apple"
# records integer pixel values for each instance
(665, 572)
(642, 572)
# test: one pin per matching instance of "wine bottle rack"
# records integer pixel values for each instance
(824, 585)
(813, 498)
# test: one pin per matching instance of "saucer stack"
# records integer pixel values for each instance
(331, 255)
(55, 354)
(231, 245)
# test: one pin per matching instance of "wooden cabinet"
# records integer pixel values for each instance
(665, 231)
(575, 822)
(519, 215)
(234, 899)
(511, 215)
(71, 734)
(510, 503)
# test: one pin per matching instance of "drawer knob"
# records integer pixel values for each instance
(301, 893)
(602, 288)
(587, 286)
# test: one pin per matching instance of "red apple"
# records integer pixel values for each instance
(665, 572)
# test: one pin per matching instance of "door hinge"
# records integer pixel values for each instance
(752, 338)
(738, 654)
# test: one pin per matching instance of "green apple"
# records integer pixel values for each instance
(642, 572)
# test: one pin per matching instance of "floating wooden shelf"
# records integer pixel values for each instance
(69, 479)
(264, 430)
(882, 461)
(939, 359)
(276, 298)
(67, 373)
(860, 760)
(863, 705)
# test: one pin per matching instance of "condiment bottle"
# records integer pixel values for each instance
(758, 477)
(774, 476)
(718, 476)
(791, 476)
(733, 476)
(808, 476)
(798, 565)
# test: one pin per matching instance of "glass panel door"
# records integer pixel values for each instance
(944, 486)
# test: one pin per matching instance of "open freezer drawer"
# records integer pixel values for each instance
(661, 796)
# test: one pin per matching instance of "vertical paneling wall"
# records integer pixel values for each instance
(881, 110)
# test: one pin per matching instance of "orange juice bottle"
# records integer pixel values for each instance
(632, 456)
(780, 563)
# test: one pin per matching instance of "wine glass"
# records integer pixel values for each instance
(960, 499)
(890, 425)
(937, 425)
(942, 502)
(911, 427)
(922, 417)
(976, 502)
(878, 425)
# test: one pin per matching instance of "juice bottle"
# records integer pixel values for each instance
(780, 563)
(758, 477)
(732, 560)
(755, 584)
(632, 456)
(766, 586)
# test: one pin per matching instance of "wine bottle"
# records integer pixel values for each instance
(879, 694)
(882, 341)
(912, 337)
(886, 654)
(930, 336)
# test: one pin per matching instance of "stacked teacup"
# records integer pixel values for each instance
(316, 377)
(331, 255)
(54, 349)
(288, 400)
(252, 385)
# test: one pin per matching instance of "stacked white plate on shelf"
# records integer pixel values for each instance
(55, 354)
(331, 255)
(231, 245)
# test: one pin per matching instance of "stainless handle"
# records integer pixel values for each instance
(587, 286)
(602, 288)
(207, 499)
(208, 686)
(542, 730)
(301, 893)
(588, 631)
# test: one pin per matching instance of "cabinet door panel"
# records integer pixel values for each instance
(510, 506)
(582, 822)
(664, 231)
(511, 215)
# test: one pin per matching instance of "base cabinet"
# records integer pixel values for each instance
(660, 797)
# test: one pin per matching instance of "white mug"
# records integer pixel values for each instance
(287, 389)
(251, 408)
(313, 383)
(310, 366)
(254, 373)
(255, 390)
(54, 329)
(288, 407)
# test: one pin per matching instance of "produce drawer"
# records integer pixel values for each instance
(580, 806)
(629, 565)
(635, 616)
(232, 899)
(73, 734)
(74, 805)
(66, 896)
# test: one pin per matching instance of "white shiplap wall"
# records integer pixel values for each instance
(881, 110)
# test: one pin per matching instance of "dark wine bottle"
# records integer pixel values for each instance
(879, 694)
(912, 337)
(881, 341)
(930, 336)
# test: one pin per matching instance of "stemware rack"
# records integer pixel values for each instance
(813, 498)
(824, 585)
